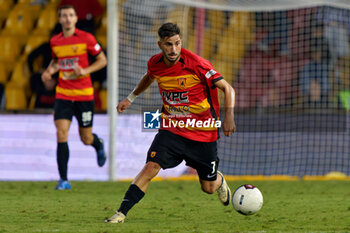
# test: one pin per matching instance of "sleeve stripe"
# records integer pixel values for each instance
(214, 81)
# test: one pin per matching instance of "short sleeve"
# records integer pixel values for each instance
(149, 68)
(93, 47)
(208, 73)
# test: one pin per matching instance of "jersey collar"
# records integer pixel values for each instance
(162, 59)
(74, 34)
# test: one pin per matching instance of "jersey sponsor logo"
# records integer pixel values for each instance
(69, 75)
(175, 97)
(68, 63)
(196, 108)
(174, 110)
(210, 73)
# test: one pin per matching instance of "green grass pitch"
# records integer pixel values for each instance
(173, 206)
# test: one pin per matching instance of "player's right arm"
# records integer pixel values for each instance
(144, 83)
(50, 70)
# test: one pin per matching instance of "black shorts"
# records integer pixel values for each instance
(82, 110)
(169, 150)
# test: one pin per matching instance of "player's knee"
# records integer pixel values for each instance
(87, 140)
(152, 166)
(62, 135)
(151, 169)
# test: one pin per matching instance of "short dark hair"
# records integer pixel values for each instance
(168, 30)
(66, 7)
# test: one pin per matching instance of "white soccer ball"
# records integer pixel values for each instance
(247, 199)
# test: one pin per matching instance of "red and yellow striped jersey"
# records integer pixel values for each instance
(189, 95)
(70, 51)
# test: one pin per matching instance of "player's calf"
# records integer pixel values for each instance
(98, 144)
(209, 187)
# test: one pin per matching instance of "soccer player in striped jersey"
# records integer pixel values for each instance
(74, 91)
(188, 86)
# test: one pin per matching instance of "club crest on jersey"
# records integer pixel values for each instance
(182, 82)
(75, 48)
(153, 153)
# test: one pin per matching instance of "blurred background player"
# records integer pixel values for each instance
(87, 11)
(189, 82)
(74, 91)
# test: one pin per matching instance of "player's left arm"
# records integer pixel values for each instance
(229, 125)
(99, 63)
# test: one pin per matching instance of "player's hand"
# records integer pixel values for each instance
(123, 105)
(46, 76)
(229, 126)
(79, 71)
